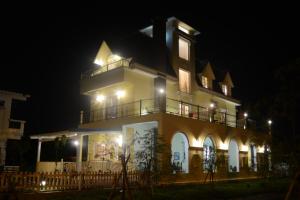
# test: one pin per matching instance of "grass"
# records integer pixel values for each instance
(221, 190)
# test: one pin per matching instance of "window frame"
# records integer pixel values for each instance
(189, 80)
(189, 47)
(206, 81)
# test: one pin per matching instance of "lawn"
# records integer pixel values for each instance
(221, 190)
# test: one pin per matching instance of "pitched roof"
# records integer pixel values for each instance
(143, 50)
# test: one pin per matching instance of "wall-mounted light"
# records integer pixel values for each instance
(244, 148)
(261, 149)
(100, 98)
(119, 140)
(245, 115)
(161, 91)
(76, 142)
(196, 142)
(120, 93)
(212, 105)
(99, 62)
(223, 146)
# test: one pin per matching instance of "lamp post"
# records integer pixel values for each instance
(245, 120)
(270, 125)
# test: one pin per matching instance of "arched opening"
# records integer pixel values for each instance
(180, 153)
(252, 157)
(233, 153)
(208, 154)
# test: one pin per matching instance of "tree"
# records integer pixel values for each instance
(148, 157)
(59, 147)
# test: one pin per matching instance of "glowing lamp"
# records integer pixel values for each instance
(119, 140)
(100, 98)
(76, 143)
(120, 93)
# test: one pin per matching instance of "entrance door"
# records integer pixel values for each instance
(111, 107)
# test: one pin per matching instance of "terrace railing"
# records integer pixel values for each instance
(102, 69)
(174, 107)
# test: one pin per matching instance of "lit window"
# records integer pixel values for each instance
(184, 48)
(183, 29)
(184, 109)
(184, 81)
(204, 81)
(224, 89)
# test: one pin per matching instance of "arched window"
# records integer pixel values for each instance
(233, 160)
(179, 148)
(209, 154)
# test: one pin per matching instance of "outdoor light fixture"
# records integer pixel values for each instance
(212, 105)
(120, 93)
(100, 98)
(223, 146)
(269, 122)
(119, 140)
(99, 62)
(43, 183)
(76, 143)
(245, 115)
(161, 90)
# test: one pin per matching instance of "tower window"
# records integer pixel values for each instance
(184, 81)
(204, 81)
(184, 48)
(224, 89)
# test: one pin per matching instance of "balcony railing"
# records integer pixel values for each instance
(105, 68)
(148, 106)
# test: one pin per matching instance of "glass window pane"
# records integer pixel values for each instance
(183, 46)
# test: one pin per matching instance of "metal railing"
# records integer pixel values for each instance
(102, 69)
(172, 106)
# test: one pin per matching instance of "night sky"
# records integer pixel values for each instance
(46, 49)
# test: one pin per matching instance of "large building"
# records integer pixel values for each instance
(9, 128)
(151, 82)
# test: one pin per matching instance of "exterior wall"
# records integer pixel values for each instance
(7, 132)
(196, 131)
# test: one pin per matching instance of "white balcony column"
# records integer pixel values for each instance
(38, 158)
(22, 125)
(81, 117)
(79, 153)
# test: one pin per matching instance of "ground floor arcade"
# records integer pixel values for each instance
(190, 147)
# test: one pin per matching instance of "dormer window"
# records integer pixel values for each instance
(225, 89)
(184, 81)
(204, 81)
(184, 48)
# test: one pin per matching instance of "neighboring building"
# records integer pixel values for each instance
(9, 128)
(153, 81)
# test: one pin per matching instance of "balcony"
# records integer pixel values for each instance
(103, 76)
(94, 72)
(14, 131)
(174, 107)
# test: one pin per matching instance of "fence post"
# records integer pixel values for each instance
(140, 107)
(79, 181)
(198, 112)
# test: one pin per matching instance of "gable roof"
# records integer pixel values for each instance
(143, 50)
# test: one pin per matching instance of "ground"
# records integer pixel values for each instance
(246, 190)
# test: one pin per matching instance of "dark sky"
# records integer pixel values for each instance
(46, 49)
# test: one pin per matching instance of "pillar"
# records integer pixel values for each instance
(38, 158)
(79, 153)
